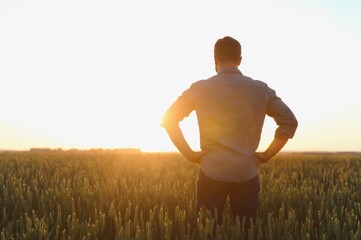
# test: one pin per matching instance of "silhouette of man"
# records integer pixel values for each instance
(230, 109)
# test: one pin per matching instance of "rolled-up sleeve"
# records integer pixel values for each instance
(180, 109)
(283, 116)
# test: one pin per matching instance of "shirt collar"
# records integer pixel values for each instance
(230, 70)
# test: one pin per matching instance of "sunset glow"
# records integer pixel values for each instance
(100, 74)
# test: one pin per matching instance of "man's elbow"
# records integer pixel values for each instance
(287, 129)
(292, 126)
(169, 123)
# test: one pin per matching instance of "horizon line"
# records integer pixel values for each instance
(140, 150)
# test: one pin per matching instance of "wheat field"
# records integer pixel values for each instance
(108, 194)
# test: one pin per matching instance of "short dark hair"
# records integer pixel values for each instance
(227, 49)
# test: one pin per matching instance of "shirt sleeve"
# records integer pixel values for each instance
(180, 109)
(283, 116)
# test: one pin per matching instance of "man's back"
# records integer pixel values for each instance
(231, 109)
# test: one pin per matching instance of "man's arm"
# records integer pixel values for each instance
(176, 135)
(287, 125)
(180, 109)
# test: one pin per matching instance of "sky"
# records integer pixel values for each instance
(100, 74)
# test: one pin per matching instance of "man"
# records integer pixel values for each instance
(231, 109)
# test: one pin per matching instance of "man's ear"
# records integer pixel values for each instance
(215, 64)
(239, 61)
(215, 60)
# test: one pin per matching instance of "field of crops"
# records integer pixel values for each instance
(114, 195)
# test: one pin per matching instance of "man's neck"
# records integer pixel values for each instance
(221, 67)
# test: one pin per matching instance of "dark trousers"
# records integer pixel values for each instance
(243, 196)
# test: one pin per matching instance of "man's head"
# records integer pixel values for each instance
(227, 53)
